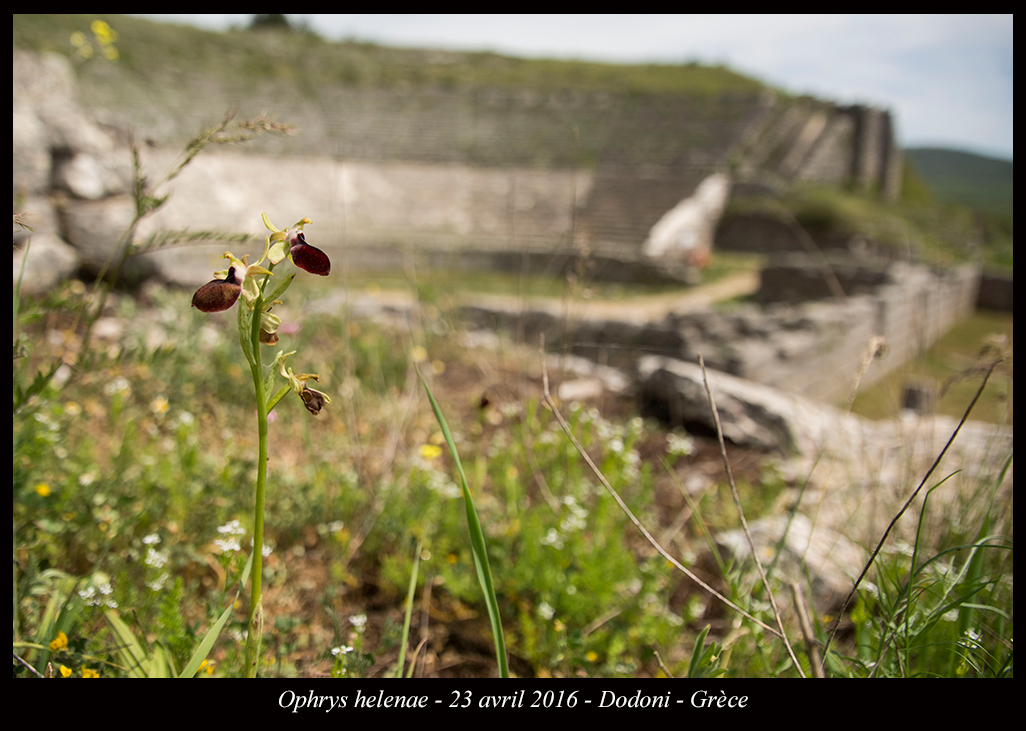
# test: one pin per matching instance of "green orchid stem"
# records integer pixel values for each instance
(256, 615)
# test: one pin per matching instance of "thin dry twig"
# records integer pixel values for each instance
(627, 511)
(662, 665)
(811, 644)
(741, 513)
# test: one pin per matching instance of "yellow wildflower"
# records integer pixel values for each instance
(60, 643)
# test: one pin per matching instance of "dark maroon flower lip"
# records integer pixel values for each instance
(219, 294)
(313, 400)
(309, 258)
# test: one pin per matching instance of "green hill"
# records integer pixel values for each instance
(158, 49)
(363, 101)
(981, 183)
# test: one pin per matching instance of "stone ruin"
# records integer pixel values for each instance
(436, 176)
(771, 364)
(797, 340)
(774, 369)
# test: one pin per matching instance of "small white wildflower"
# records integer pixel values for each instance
(158, 583)
(546, 610)
(98, 596)
(228, 545)
(972, 640)
(156, 558)
(232, 528)
(575, 518)
(442, 484)
(159, 405)
(552, 539)
(265, 551)
(679, 445)
(117, 385)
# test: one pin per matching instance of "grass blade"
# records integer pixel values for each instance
(477, 542)
(212, 634)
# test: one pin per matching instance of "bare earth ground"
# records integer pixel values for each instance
(641, 309)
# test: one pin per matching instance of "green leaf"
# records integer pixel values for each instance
(39, 383)
(477, 542)
(245, 331)
(133, 655)
(212, 634)
(280, 289)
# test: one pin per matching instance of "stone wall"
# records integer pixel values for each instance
(72, 178)
(490, 167)
(818, 142)
(814, 348)
(910, 306)
(416, 170)
(995, 292)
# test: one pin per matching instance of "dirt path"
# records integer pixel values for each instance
(649, 308)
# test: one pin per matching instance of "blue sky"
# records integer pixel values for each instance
(948, 78)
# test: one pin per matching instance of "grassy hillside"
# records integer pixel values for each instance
(364, 101)
(147, 47)
(981, 183)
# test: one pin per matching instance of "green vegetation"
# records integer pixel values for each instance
(446, 286)
(916, 228)
(134, 459)
(968, 194)
(131, 481)
(307, 60)
(402, 104)
(981, 183)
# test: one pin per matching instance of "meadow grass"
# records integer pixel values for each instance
(134, 461)
(127, 498)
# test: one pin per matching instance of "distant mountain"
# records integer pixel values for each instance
(981, 183)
